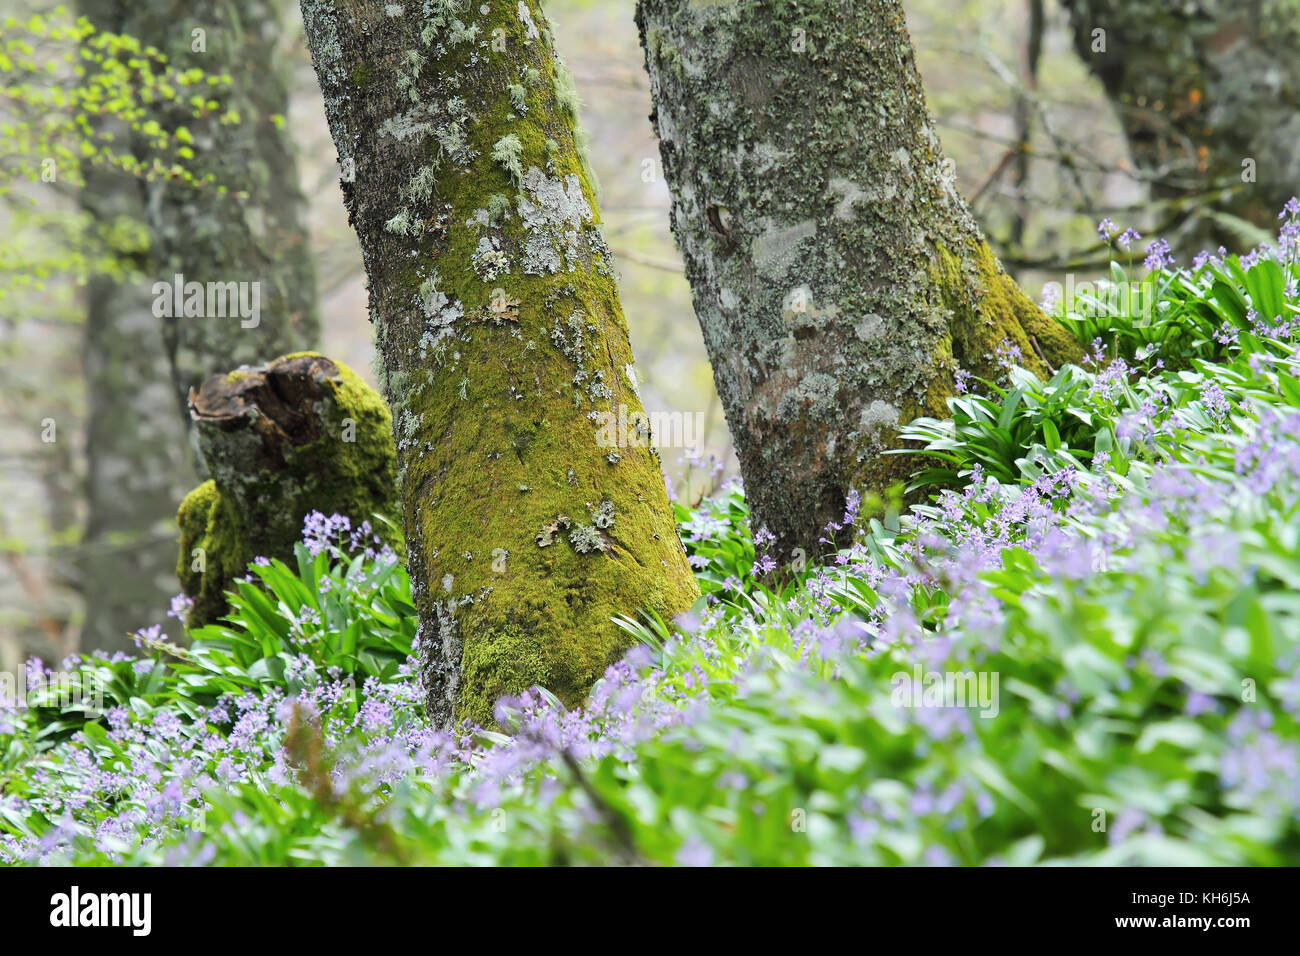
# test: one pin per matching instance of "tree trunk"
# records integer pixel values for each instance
(1202, 88)
(300, 434)
(137, 460)
(139, 368)
(248, 226)
(838, 277)
(503, 345)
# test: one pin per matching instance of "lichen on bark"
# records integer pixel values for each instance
(501, 343)
(300, 434)
(837, 275)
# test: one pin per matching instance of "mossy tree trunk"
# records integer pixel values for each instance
(503, 346)
(299, 434)
(838, 277)
(1201, 88)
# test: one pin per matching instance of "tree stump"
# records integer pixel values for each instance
(300, 434)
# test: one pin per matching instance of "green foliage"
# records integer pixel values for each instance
(288, 629)
(88, 96)
(1149, 364)
(1004, 429)
(79, 99)
(1184, 314)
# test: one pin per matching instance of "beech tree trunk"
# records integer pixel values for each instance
(1202, 88)
(299, 434)
(249, 225)
(838, 277)
(139, 368)
(504, 349)
(138, 462)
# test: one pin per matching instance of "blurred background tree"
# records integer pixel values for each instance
(241, 223)
(1208, 95)
(75, 314)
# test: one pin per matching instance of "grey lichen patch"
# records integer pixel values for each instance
(574, 339)
(408, 73)
(566, 93)
(414, 125)
(800, 310)
(452, 135)
(850, 193)
(460, 33)
(546, 537)
(814, 397)
(499, 208)
(879, 414)
(870, 328)
(603, 516)
(440, 22)
(586, 539)
(400, 224)
(420, 188)
(518, 97)
(441, 314)
(554, 212)
(766, 157)
(489, 261)
(526, 17)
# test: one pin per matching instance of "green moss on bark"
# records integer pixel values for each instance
(502, 342)
(300, 434)
(212, 552)
(988, 309)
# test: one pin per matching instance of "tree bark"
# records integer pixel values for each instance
(281, 440)
(137, 459)
(838, 277)
(503, 346)
(1200, 88)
